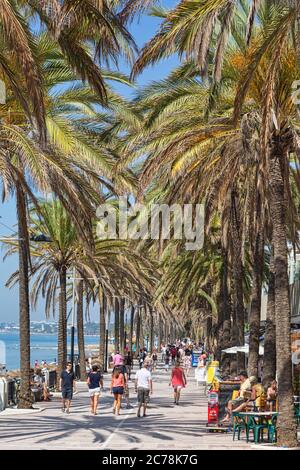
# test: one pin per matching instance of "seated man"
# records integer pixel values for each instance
(251, 397)
(245, 394)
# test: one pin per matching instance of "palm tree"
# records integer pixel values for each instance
(52, 262)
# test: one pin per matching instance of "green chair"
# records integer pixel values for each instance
(257, 429)
(239, 425)
(272, 431)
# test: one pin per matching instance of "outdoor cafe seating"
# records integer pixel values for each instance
(259, 422)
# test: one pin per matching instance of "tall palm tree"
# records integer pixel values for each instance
(48, 169)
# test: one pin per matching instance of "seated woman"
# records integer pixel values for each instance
(272, 394)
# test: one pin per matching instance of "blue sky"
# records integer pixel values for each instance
(142, 31)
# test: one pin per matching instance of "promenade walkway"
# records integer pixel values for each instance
(167, 426)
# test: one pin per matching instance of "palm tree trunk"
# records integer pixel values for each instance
(225, 305)
(237, 268)
(208, 332)
(80, 330)
(24, 311)
(254, 320)
(122, 325)
(131, 328)
(62, 324)
(269, 371)
(141, 335)
(167, 334)
(102, 303)
(151, 329)
(286, 425)
(117, 328)
(138, 330)
(159, 340)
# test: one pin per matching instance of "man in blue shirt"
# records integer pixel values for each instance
(67, 385)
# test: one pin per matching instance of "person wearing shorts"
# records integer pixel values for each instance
(95, 383)
(117, 388)
(178, 381)
(143, 388)
(245, 388)
(67, 385)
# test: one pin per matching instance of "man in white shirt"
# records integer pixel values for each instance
(143, 387)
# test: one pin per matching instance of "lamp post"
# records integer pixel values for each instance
(73, 320)
(106, 351)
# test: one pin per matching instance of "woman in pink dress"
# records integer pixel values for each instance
(178, 381)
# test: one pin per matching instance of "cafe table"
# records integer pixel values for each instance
(258, 421)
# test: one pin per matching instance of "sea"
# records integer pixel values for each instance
(43, 347)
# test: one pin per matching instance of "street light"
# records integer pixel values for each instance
(74, 279)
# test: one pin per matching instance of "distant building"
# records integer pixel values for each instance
(294, 280)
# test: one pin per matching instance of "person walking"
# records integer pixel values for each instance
(67, 385)
(143, 388)
(167, 359)
(117, 388)
(173, 354)
(95, 383)
(142, 357)
(148, 360)
(187, 361)
(124, 371)
(178, 381)
(128, 362)
(118, 359)
(154, 360)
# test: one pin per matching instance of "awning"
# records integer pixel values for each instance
(243, 349)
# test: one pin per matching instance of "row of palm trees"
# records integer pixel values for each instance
(224, 128)
(221, 129)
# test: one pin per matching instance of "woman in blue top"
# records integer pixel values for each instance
(95, 382)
